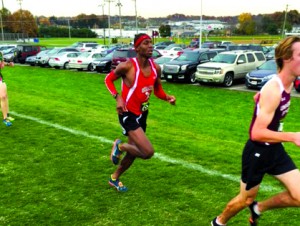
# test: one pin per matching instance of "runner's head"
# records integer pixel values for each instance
(285, 50)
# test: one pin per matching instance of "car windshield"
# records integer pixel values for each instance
(162, 60)
(268, 65)
(188, 56)
(53, 51)
(85, 54)
(224, 58)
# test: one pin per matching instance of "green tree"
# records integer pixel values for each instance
(165, 30)
(246, 24)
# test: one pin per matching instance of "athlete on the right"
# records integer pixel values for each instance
(264, 152)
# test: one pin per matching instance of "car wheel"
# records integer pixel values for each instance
(193, 77)
(228, 80)
(66, 65)
(90, 67)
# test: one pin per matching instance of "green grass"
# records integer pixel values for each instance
(61, 42)
(50, 175)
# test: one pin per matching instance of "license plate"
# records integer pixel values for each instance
(254, 82)
(169, 76)
(204, 80)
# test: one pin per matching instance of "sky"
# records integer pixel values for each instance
(151, 8)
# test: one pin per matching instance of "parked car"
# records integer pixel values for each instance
(100, 48)
(161, 61)
(62, 59)
(9, 54)
(171, 51)
(162, 45)
(194, 44)
(84, 46)
(184, 67)
(270, 55)
(109, 50)
(297, 84)
(26, 50)
(43, 60)
(258, 77)
(121, 55)
(84, 61)
(103, 64)
(31, 60)
(228, 66)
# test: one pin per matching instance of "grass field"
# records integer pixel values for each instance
(54, 160)
(255, 39)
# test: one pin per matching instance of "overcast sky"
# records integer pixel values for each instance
(151, 8)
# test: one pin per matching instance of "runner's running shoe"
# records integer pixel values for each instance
(254, 216)
(7, 122)
(115, 152)
(214, 223)
(11, 119)
(117, 184)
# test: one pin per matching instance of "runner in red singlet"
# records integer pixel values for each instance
(264, 152)
(140, 77)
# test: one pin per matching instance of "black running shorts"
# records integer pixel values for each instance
(258, 159)
(130, 121)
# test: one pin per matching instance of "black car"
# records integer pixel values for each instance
(121, 55)
(103, 64)
(184, 67)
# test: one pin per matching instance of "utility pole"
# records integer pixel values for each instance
(102, 5)
(136, 21)
(21, 11)
(283, 28)
(109, 1)
(2, 21)
(119, 4)
(69, 28)
(200, 30)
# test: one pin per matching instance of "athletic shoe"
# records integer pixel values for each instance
(254, 216)
(117, 185)
(115, 152)
(7, 122)
(11, 119)
(214, 223)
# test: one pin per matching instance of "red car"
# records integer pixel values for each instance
(297, 84)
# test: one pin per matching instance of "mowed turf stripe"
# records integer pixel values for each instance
(159, 156)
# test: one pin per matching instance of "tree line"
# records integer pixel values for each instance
(22, 21)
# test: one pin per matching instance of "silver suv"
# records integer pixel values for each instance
(226, 67)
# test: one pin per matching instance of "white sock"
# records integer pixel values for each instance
(255, 208)
(217, 221)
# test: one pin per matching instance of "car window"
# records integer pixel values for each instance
(204, 56)
(225, 58)
(156, 54)
(260, 56)
(242, 57)
(211, 55)
(131, 53)
(250, 57)
(97, 55)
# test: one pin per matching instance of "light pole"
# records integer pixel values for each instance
(283, 27)
(102, 5)
(136, 22)
(200, 34)
(119, 4)
(109, 1)
(20, 3)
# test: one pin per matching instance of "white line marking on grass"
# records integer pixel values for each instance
(159, 156)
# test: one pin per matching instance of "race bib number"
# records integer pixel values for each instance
(145, 106)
